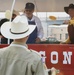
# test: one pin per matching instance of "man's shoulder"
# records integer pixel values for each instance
(35, 54)
(2, 50)
(35, 17)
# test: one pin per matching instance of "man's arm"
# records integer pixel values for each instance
(40, 32)
(40, 69)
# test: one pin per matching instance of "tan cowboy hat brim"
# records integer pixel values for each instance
(5, 30)
(71, 6)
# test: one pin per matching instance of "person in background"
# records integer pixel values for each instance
(14, 14)
(37, 34)
(70, 10)
(17, 59)
(3, 40)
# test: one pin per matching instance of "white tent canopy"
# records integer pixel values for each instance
(41, 5)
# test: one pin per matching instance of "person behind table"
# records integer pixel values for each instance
(3, 39)
(70, 10)
(37, 34)
(17, 59)
(14, 14)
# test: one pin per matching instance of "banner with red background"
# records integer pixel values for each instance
(54, 55)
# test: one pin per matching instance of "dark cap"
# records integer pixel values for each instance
(30, 6)
(71, 6)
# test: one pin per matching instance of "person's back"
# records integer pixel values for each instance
(16, 59)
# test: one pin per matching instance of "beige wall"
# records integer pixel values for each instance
(42, 5)
(57, 30)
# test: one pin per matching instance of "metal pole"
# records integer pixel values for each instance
(11, 16)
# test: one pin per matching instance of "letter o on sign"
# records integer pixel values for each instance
(54, 61)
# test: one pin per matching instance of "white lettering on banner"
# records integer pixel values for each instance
(67, 57)
(42, 53)
(54, 53)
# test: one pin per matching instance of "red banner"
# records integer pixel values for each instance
(58, 56)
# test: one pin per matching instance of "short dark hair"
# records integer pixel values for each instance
(30, 6)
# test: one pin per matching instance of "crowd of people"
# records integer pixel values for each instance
(38, 33)
(17, 59)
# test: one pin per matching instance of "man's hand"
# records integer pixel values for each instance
(53, 70)
(63, 43)
(38, 40)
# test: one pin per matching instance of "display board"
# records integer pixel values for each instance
(54, 55)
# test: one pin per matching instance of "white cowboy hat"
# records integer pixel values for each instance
(17, 29)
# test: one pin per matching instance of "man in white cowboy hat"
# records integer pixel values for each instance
(70, 10)
(17, 59)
